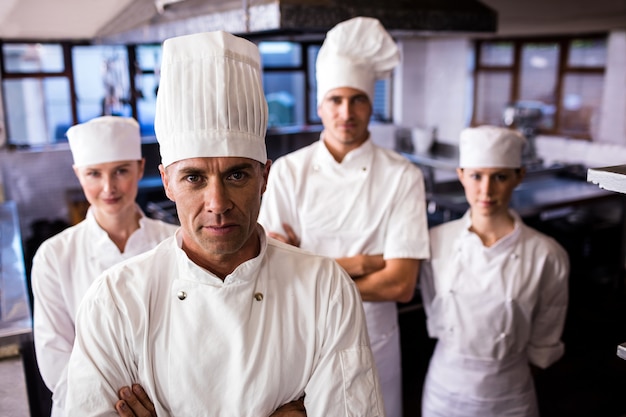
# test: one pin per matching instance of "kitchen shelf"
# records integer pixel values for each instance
(611, 178)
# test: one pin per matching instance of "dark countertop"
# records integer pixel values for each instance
(15, 316)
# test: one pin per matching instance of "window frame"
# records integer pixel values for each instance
(563, 70)
(67, 73)
(306, 68)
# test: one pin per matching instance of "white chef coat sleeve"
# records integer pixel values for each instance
(545, 345)
(102, 361)
(278, 205)
(345, 380)
(407, 229)
(53, 327)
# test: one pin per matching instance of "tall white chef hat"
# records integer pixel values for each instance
(491, 147)
(355, 54)
(105, 139)
(210, 101)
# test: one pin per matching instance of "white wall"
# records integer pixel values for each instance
(555, 150)
(613, 111)
(409, 89)
(433, 85)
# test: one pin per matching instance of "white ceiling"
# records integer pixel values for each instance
(56, 19)
(85, 19)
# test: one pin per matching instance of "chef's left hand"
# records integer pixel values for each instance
(134, 402)
(289, 238)
(292, 409)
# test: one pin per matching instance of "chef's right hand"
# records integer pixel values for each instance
(134, 402)
(360, 265)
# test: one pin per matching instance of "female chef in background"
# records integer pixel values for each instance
(109, 165)
(495, 291)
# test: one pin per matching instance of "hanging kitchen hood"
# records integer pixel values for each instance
(154, 20)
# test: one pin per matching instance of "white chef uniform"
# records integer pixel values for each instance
(370, 203)
(283, 324)
(493, 310)
(63, 269)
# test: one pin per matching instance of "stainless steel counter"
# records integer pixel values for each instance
(544, 191)
(540, 194)
(15, 316)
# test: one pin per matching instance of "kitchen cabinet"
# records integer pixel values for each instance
(613, 179)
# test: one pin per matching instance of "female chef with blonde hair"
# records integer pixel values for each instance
(109, 165)
(495, 291)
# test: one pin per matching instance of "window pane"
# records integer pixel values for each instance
(32, 57)
(284, 93)
(538, 78)
(587, 53)
(280, 54)
(146, 85)
(381, 109)
(40, 110)
(493, 91)
(101, 76)
(148, 57)
(312, 52)
(582, 95)
(496, 54)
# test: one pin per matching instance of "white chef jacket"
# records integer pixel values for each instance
(283, 324)
(63, 269)
(494, 310)
(373, 202)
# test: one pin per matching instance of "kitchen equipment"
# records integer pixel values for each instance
(525, 116)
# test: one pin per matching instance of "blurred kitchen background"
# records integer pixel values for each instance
(554, 69)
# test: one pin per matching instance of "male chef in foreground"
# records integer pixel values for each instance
(228, 322)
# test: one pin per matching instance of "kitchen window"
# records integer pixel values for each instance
(48, 87)
(562, 76)
(37, 89)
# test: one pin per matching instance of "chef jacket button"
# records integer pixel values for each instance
(364, 169)
(258, 296)
(181, 295)
(502, 335)
(316, 167)
(514, 256)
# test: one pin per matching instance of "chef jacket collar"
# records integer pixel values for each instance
(99, 232)
(504, 243)
(245, 272)
(356, 157)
